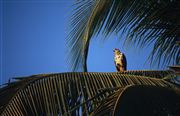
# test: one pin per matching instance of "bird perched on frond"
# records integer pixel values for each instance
(120, 60)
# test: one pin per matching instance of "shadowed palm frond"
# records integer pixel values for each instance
(8, 91)
(143, 22)
(175, 69)
(141, 100)
(150, 73)
(106, 107)
(66, 93)
(83, 29)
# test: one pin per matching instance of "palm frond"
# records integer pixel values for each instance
(150, 73)
(67, 93)
(175, 69)
(8, 91)
(142, 21)
(141, 100)
(87, 15)
(107, 106)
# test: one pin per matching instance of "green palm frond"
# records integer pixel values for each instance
(66, 93)
(142, 21)
(141, 100)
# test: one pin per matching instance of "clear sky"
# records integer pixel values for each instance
(33, 36)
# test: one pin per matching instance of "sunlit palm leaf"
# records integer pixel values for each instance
(141, 100)
(142, 21)
(64, 93)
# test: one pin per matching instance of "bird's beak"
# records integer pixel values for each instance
(114, 49)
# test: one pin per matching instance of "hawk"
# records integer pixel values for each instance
(120, 60)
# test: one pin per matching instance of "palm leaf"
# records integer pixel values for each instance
(175, 69)
(66, 93)
(150, 73)
(141, 100)
(143, 22)
(7, 91)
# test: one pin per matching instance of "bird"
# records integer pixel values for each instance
(120, 60)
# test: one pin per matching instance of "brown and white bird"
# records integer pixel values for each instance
(120, 60)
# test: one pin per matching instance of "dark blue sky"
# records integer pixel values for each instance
(33, 36)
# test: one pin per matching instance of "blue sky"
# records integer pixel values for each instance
(33, 36)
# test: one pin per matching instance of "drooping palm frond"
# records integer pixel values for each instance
(84, 29)
(7, 92)
(143, 22)
(66, 93)
(140, 100)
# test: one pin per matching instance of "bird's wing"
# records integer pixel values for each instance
(118, 67)
(124, 61)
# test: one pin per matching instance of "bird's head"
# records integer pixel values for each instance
(116, 50)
